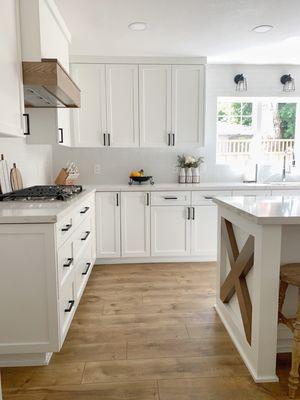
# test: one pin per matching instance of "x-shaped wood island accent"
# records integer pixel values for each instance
(240, 262)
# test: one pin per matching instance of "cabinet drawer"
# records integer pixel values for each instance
(82, 212)
(83, 269)
(170, 198)
(65, 228)
(203, 197)
(81, 237)
(67, 306)
(65, 260)
(251, 193)
(285, 192)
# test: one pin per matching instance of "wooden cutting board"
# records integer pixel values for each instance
(16, 178)
(4, 176)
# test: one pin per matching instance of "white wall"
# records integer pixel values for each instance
(34, 162)
(263, 80)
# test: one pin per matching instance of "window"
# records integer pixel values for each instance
(261, 129)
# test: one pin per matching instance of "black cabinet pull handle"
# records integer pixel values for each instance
(61, 140)
(170, 198)
(193, 208)
(86, 235)
(148, 199)
(85, 210)
(189, 213)
(104, 139)
(27, 131)
(169, 139)
(108, 139)
(71, 302)
(173, 136)
(208, 198)
(67, 228)
(87, 269)
(68, 263)
(117, 199)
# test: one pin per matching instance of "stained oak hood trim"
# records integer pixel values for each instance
(48, 85)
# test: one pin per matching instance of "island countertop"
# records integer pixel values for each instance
(264, 210)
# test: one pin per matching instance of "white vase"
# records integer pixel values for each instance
(189, 175)
(196, 175)
(181, 176)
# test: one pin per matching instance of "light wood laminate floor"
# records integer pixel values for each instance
(145, 332)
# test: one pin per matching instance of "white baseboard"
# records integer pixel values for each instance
(150, 260)
(229, 327)
(25, 360)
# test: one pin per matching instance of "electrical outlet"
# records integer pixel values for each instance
(97, 169)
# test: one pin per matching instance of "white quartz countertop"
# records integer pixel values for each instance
(196, 186)
(38, 212)
(264, 210)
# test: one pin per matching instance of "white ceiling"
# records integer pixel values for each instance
(219, 29)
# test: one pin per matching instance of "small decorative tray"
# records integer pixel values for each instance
(140, 179)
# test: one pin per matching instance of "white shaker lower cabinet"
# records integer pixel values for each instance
(135, 224)
(108, 227)
(170, 231)
(204, 227)
(45, 269)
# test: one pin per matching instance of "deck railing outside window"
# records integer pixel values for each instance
(243, 146)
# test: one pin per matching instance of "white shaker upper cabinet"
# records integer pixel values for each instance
(122, 105)
(90, 120)
(155, 105)
(63, 127)
(135, 224)
(188, 104)
(108, 224)
(11, 94)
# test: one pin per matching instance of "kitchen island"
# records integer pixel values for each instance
(256, 236)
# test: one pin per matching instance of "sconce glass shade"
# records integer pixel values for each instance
(240, 83)
(288, 83)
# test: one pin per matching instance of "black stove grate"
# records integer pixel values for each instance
(45, 192)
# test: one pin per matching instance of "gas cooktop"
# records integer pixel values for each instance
(43, 193)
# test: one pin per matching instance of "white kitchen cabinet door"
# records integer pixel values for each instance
(11, 94)
(170, 231)
(108, 224)
(204, 225)
(155, 105)
(188, 104)
(89, 121)
(122, 105)
(63, 127)
(135, 224)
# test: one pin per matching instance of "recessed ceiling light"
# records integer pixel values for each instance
(138, 26)
(262, 28)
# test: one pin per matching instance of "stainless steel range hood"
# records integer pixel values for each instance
(48, 85)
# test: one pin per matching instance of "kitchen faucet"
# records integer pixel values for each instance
(284, 169)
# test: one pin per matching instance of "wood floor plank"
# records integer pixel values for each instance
(200, 330)
(123, 308)
(163, 368)
(180, 348)
(117, 391)
(90, 352)
(218, 388)
(81, 319)
(48, 375)
(91, 333)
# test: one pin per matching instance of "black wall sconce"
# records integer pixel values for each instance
(240, 83)
(288, 83)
